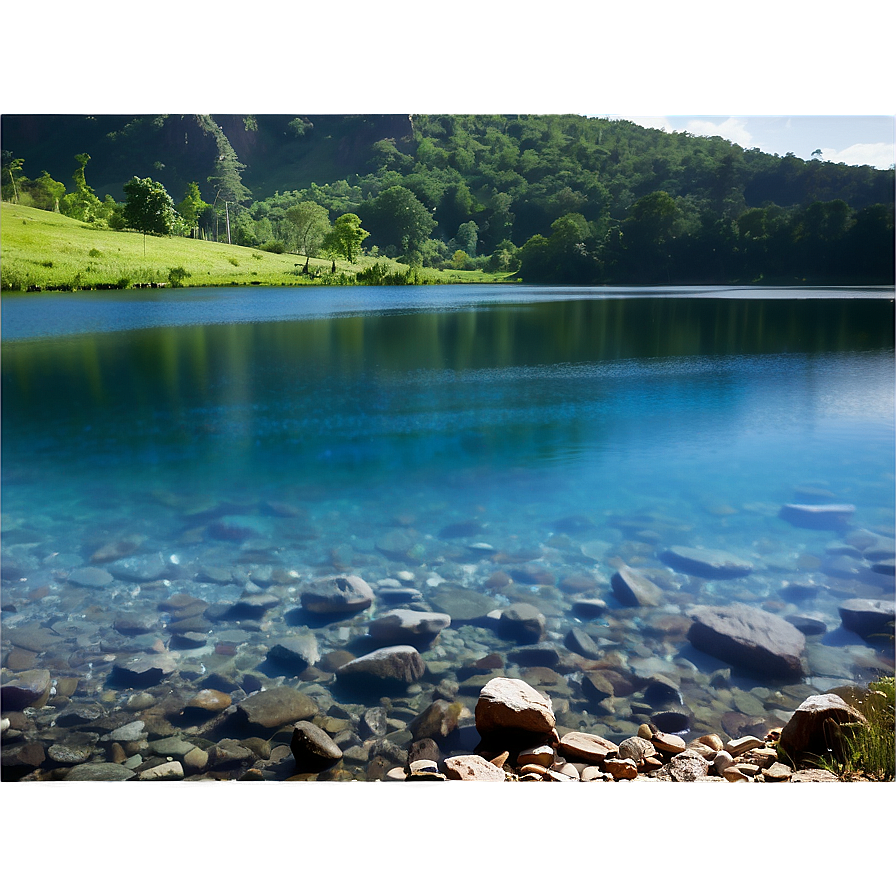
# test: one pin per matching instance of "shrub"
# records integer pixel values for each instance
(176, 276)
(278, 247)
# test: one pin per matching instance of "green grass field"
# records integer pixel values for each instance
(44, 250)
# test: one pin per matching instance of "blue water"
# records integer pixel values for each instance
(692, 413)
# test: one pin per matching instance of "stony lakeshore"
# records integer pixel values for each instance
(611, 649)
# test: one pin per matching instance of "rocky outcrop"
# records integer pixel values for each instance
(749, 638)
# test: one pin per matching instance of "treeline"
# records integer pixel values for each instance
(562, 199)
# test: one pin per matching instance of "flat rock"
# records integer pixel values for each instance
(32, 637)
(868, 618)
(461, 604)
(300, 649)
(807, 731)
(144, 670)
(472, 768)
(398, 663)
(29, 688)
(749, 638)
(312, 748)
(337, 595)
(149, 568)
(706, 563)
(621, 769)
(633, 589)
(90, 577)
(399, 544)
(583, 746)
(580, 642)
(523, 623)
(125, 733)
(276, 707)
(817, 516)
(400, 626)
(510, 703)
(167, 771)
(100, 771)
(808, 625)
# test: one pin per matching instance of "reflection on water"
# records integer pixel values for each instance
(640, 421)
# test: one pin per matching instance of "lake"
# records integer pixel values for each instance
(178, 466)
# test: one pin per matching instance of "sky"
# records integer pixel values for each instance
(852, 139)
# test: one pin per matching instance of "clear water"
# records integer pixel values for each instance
(694, 414)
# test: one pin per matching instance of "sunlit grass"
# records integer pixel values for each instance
(43, 250)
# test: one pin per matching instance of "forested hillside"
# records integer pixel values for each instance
(559, 198)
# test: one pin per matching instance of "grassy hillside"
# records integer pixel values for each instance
(44, 250)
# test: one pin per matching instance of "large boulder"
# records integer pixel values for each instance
(706, 563)
(399, 663)
(749, 638)
(868, 618)
(337, 595)
(509, 704)
(812, 728)
(29, 688)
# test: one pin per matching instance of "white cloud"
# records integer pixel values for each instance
(878, 155)
(733, 129)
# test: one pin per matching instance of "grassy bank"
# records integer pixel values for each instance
(45, 251)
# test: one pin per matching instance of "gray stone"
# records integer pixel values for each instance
(312, 748)
(276, 707)
(100, 771)
(398, 663)
(144, 670)
(373, 722)
(65, 754)
(461, 604)
(812, 729)
(633, 589)
(29, 688)
(808, 625)
(149, 568)
(637, 749)
(438, 720)
(706, 563)
(402, 626)
(817, 516)
(580, 642)
(300, 649)
(130, 732)
(337, 595)
(523, 623)
(688, 766)
(174, 746)
(510, 703)
(90, 577)
(167, 771)
(868, 618)
(749, 638)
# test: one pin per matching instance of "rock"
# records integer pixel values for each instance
(743, 745)
(438, 720)
(660, 691)
(580, 642)
(80, 715)
(136, 623)
(671, 722)
(29, 688)
(637, 749)
(868, 618)
(688, 766)
(175, 747)
(706, 563)
(461, 604)
(313, 748)
(734, 775)
(472, 768)
(817, 516)
(373, 722)
(820, 775)
(522, 623)
(90, 577)
(670, 744)
(132, 731)
(582, 746)
(589, 608)
(511, 704)
(19, 760)
(812, 729)
(66, 754)
(721, 761)
(210, 700)
(808, 625)
(621, 769)
(399, 663)
(32, 637)
(167, 771)
(634, 590)
(597, 686)
(749, 638)
(100, 771)
(777, 772)
(405, 626)
(149, 568)
(337, 595)
(398, 595)
(228, 753)
(544, 655)
(276, 707)
(144, 670)
(299, 650)
(542, 755)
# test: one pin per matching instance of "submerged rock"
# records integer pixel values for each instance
(817, 516)
(299, 650)
(144, 670)
(706, 563)
(868, 618)
(30, 688)
(750, 638)
(337, 595)
(523, 623)
(399, 663)
(400, 626)
(312, 748)
(90, 577)
(276, 707)
(633, 589)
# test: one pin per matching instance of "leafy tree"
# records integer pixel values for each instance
(47, 193)
(345, 238)
(310, 223)
(148, 207)
(466, 238)
(397, 218)
(10, 166)
(191, 207)
(83, 204)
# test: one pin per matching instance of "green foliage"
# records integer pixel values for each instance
(397, 218)
(345, 238)
(148, 207)
(176, 276)
(310, 224)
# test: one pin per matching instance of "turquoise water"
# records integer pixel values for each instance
(554, 425)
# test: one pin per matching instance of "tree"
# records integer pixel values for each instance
(10, 166)
(148, 207)
(310, 223)
(83, 204)
(398, 218)
(345, 239)
(191, 207)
